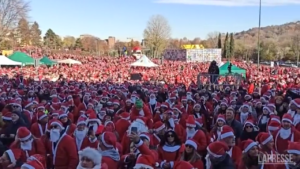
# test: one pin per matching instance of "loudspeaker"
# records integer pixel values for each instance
(135, 76)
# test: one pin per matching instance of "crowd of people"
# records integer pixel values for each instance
(95, 117)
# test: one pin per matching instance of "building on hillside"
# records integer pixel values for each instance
(111, 41)
(86, 35)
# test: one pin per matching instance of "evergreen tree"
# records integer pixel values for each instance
(231, 45)
(51, 40)
(219, 41)
(225, 52)
(78, 44)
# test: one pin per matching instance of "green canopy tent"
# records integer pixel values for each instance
(46, 61)
(234, 69)
(22, 57)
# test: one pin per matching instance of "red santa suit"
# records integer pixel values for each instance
(283, 136)
(30, 147)
(145, 161)
(197, 135)
(109, 141)
(94, 155)
(144, 112)
(169, 154)
(37, 129)
(122, 124)
(35, 162)
(216, 149)
(263, 139)
(69, 126)
(155, 140)
(81, 139)
(197, 163)
(63, 151)
(234, 152)
(14, 155)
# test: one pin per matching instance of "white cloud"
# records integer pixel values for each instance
(231, 2)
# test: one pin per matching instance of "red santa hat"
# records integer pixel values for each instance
(27, 104)
(296, 102)
(227, 131)
(224, 103)
(145, 161)
(109, 139)
(249, 122)
(91, 154)
(141, 120)
(221, 117)
(116, 102)
(196, 105)
(190, 121)
(217, 149)
(57, 122)
(182, 164)
(93, 118)
(263, 138)
(248, 144)
(41, 115)
(293, 148)
(165, 105)
(40, 106)
(192, 143)
(172, 96)
(81, 121)
(275, 118)
(13, 155)
(145, 135)
(288, 118)
(183, 98)
(125, 116)
(35, 161)
(274, 125)
(23, 134)
(62, 114)
(158, 126)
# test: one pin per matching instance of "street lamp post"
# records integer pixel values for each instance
(258, 37)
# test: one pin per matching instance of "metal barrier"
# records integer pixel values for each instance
(205, 80)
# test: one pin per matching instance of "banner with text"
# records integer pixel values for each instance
(204, 55)
(175, 54)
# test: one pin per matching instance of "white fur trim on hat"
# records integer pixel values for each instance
(94, 120)
(250, 146)
(144, 135)
(142, 166)
(6, 118)
(29, 104)
(160, 128)
(56, 123)
(27, 166)
(293, 152)
(11, 156)
(192, 143)
(288, 120)
(222, 119)
(191, 125)
(104, 142)
(40, 107)
(197, 104)
(225, 135)
(80, 123)
(213, 154)
(43, 116)
(293, 102)
(271, 128)
(91, 154)
(140, 121)
(267, 140)
(25, 138)
(275, 119)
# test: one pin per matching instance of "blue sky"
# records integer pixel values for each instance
(187, 18)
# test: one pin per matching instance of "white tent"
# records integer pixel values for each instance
(6, 61)
(144, 61)
(69, 61)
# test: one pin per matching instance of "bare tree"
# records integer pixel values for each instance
(212, 39)
(157, 34)
(11, 11)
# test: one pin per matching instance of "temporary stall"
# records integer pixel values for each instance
(69, 61)
(46, 61)
(22, 57)
(234, 69)
(144, 61)
(4, 61)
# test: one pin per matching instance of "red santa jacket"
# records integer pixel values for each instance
(200, 138)
(170, 154)
(281, 144)
(37, 129)
(134, 114)
(86, 142)
(121, 127)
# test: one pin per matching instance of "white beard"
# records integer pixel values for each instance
(133, 99)
(284, 134)
(152, 101)
(95, 167)
(244, 117)
(80, 134)
(264, 119)
(141, 113)
(27, 145)
(296, 119)
(190, 133)
(291, 112)
(54, 135)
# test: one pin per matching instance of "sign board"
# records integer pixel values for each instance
(175, 54)
(36, 62)
(204, 55)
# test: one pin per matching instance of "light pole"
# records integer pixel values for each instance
(258, 37)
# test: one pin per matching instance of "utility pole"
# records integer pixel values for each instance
(258, 38)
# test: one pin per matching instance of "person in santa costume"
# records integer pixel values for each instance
(145, 161)
(93, 122)
(11, 158)
(153, 104)
(216, 130)
(170, 149)
(140, 110)
(250, 131)
(39, 128)
(107, 147)
(266, 145)
(294, 152)
(190, 154)
(28, 144)
(69, 127)
(217, 156)
(265, 118)
(122, 124)
(286, 133)
(90, 158)
(158, 133)
(35, 162)
(62, 147)
(83, 137)
(250, 154)
(227, 136)
(198, 135)
(294, 105)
